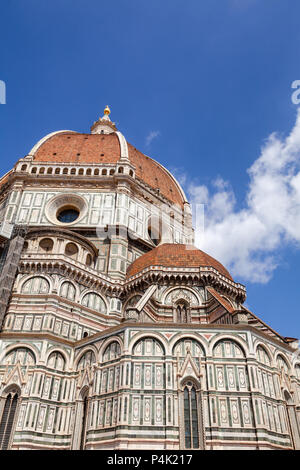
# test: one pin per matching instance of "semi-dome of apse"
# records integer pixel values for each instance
(170, 255)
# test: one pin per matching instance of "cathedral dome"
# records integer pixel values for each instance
(107, 148)
(171, 255)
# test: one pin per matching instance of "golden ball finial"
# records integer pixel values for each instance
(107, 111)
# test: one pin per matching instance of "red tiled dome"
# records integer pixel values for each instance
(178, 256)
(70, 147)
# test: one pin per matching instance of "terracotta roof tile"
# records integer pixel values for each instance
(79, 149)
(155, 175)
(175, 255)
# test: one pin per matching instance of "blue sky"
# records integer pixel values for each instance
(198, 85)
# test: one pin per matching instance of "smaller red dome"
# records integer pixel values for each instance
(177, 256)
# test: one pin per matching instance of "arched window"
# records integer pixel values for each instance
(191, 417)
(22, 355)
(56, 361)
(227, 348)
(182, 313)
(282, 364)
(112, 351)
(263, 356)
(95, 302)
(148, 347)
(36, 285)
(68, 291)
(8, 419)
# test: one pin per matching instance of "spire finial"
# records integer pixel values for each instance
(107, 110)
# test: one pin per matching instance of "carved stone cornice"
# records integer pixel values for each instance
(206, 276)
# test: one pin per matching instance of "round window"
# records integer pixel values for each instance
(46, 244)
(66, 209)
(68, 215)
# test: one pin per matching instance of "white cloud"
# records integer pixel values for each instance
(151, 136)
(248, 240)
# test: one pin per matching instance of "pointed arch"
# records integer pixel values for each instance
(9, 414)
(191, 415)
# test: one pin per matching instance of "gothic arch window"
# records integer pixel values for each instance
(36, 285)
(191, 417)
(182, 312)
(94, 302)
(8, 418)
(68, 291)
(56, 361)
